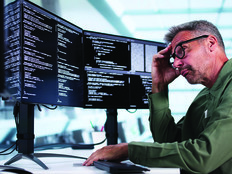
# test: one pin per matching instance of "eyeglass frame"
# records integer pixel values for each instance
(183, 42)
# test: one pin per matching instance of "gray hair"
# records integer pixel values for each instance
(198, 27)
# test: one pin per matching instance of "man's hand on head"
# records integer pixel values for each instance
(162, 71)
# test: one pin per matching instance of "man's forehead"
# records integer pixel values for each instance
(181, 36)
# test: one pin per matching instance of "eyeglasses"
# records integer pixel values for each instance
(179, 51)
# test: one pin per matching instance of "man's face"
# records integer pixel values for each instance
(194, 66)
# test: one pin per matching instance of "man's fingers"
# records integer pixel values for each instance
(98, 155)
(165, 53)
(166, 50)
(89, 162)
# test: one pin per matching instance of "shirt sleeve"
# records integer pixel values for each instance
(162, 124)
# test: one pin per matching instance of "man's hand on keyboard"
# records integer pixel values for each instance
(117, 152)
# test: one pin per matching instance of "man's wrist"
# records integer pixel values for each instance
(158, 88)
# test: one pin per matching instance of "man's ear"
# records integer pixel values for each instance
(212, 42)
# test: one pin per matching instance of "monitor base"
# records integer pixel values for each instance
(35, 157)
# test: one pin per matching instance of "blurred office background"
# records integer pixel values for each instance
(144, 19)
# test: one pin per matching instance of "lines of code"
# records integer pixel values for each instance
(47, 56)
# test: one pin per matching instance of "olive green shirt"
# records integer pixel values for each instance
(201, 142)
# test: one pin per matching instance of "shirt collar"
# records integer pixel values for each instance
(224, 73)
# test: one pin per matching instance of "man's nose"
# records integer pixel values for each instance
(177, 63)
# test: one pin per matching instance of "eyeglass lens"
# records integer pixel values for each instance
(179, 52)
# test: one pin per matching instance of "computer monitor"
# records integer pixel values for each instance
(42, 65)
(43, 56)
(118, 70)
(48, 60)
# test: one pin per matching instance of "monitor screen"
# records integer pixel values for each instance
(48, 60)
(43, 56)
(118, 70)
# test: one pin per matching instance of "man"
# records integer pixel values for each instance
(201, 142)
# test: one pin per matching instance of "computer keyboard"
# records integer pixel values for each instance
(115, 167)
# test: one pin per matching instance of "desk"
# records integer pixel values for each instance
(72, 165)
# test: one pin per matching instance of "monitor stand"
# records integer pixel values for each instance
(111, 126)
(24, 117)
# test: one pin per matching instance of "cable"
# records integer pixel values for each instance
(50, 107)
(64, 145)
(9, 152)
(100, 142)
(39, 108)
(131, 111)
(3, 152)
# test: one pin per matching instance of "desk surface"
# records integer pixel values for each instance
(71, 165)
